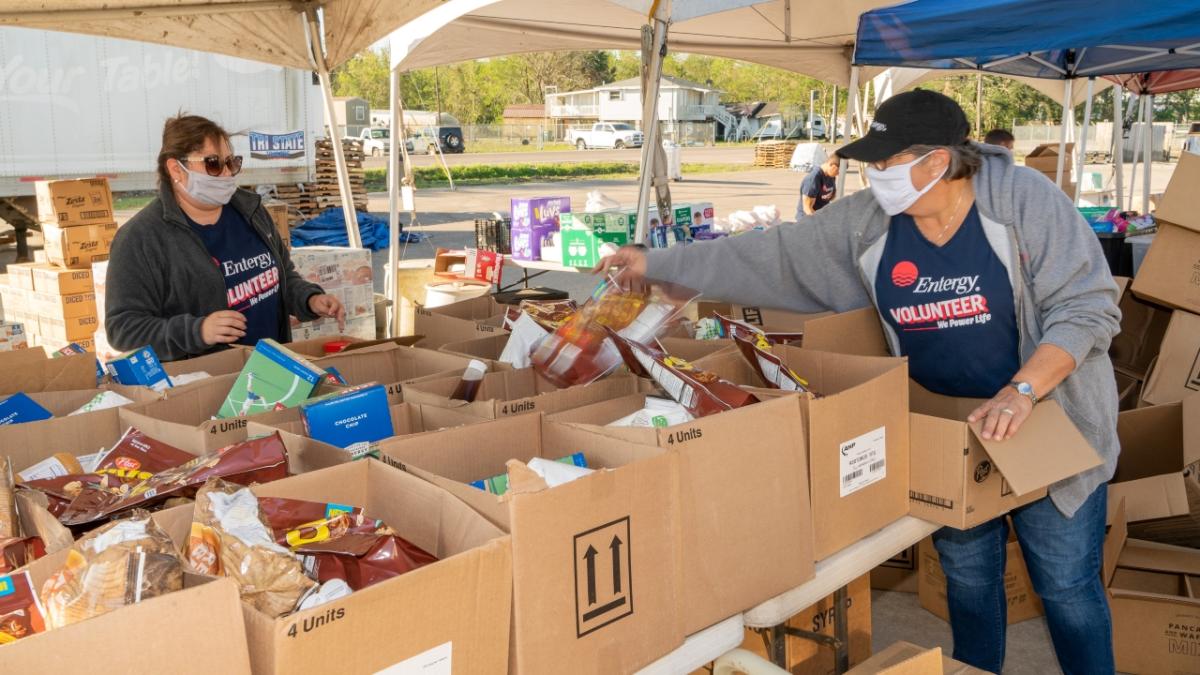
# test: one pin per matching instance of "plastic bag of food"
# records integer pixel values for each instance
(580, 351)
(549, 314)
(230, 537)
(700, 392)
(732, 327)
(122, 563)
(658, 412)
(526, 334)
(21, 611)
(769, 367)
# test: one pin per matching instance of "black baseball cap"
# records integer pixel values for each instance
(918, 117)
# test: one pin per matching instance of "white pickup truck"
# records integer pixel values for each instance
(606, 135)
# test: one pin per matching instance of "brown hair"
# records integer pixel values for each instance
(965, 159)
(183, 135)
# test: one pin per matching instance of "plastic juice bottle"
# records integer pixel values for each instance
(468, 385)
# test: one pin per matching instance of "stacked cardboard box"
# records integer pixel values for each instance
(77, 220)
(346, 274)
(1044, 159)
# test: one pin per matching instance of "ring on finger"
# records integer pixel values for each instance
(1007, 411)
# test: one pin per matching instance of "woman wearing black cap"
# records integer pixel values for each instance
(992, 284)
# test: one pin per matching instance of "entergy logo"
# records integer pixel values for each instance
(904, 274)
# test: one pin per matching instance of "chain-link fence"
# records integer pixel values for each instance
(501, 137)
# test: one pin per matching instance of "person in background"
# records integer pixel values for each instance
(202, 266)
(986, 277)
(1000, 137)
(819, 187)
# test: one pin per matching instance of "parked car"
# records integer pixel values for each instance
(606, 135)
(772, 130)
(375, 141)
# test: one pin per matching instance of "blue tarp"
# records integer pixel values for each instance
(1036, 38)
(329, 229)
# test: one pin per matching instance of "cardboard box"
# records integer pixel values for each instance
(12, 337)
(1176, 373)
(768, 319)
(20, 275)
(1143, 326)
(960, 480)
(1170, 274)
(222, 362)
(1129, 390)
(722, 520)
(85, 201)
(858, 437)
(1044, 158)
(353, 418)
(464, 599)
(899, 573)
(68, 329)
(393, 366)
(64, 306)
(57, 281)
(197, 630)
(806, 657)
(905, 658)
(1155, 603)
(572, 604)
(484, 265)
(345, 273)
(1023, 601)
(78, 247)
(477, 317)
(279, 215)
(44, 374)
(533, 222)
(855, 332)
(1158, 472)
(314, 348)
(139, 368)
(692, 350)
(583, 234)
(517, 392)
(486, 348)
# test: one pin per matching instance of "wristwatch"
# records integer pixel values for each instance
(1025, 389)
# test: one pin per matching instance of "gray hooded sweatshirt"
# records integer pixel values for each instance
(1063, 291)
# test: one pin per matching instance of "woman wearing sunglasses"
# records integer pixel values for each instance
(988, 279)
(202, 266)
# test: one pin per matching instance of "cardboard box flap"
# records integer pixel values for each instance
(855, 332)
(1154, 453)
(523, 480)
(1155, 557)
(1122, 285)
(1023, 459)
(1191, 430)
(925, 402)
(1180, 204)
(63, 373)
(901, 658)
(1114, 541)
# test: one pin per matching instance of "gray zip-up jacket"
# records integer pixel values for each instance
(1064, 293)
(162, 281)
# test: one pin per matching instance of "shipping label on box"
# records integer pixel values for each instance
(86, 201)
(57, 281)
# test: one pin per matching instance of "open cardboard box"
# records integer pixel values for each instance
(392, 366)
(65, 373)
(776, 320)
(731, 465)
(960, 480)
(477, 317)
(196, 630)
(487, 348)
(1154, 596)
(691, 350)
(1170, 274)
(188, 416)
(858, 332)
(1158, 467)
(1176, 371)
(455, 612)
(516, 392)
(905, 658)
(1044, 158)
(1143, 326)
(596, 562)
(221, 362)
(858, 437)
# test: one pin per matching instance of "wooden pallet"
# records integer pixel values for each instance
(774, 154)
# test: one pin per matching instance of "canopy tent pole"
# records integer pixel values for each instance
(393, 180)
(851, 104)
(1062, 139)
(1118, 141)
(1136, 131)
(653, 170)
(833, 112)
(1147, 152)
(1087, 118)
(353, 237)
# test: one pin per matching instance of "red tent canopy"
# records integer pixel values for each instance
(1161, 82)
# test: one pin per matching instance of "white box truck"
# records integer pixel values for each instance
(76, 106)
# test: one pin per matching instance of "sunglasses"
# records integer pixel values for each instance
(213, 164)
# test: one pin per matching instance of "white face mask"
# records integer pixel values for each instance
(893, 186)
(209, 190)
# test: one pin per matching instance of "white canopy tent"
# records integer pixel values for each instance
(281, 32)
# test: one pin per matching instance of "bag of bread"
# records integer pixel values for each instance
(21, 613)
(122, 563)
(230, 537)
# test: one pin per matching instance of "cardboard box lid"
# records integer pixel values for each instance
(1176, 372)
(1154, 452)
(854, 332)
(1180, 204)
(906, 658)
(1050, 150)
(1023, 459)
(64, 373)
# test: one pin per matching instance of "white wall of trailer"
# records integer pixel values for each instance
(76, 105)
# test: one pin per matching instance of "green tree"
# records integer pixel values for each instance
(365, 76)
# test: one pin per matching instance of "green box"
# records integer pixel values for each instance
(581, 247)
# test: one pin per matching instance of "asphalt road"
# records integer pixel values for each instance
(704, 154)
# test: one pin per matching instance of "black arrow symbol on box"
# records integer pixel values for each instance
(590, 556)
(616, 563)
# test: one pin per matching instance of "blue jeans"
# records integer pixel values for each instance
(1064, 560)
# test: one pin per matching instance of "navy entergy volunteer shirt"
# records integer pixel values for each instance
(250, 271)
(952, 308)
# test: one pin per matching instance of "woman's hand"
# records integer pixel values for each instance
(631, 260)
(1003, 415)
(327, 305)
(223, 327)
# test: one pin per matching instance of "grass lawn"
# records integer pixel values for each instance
(488, 174)
(484, 146)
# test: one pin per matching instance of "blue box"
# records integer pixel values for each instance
(352, 419)
(19, 408)
(139, 368)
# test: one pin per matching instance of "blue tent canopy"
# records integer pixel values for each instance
(1035, 38)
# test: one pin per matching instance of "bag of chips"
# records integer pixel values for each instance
(700, 392)
(769, 367)
(731, 328)
(21, 612)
